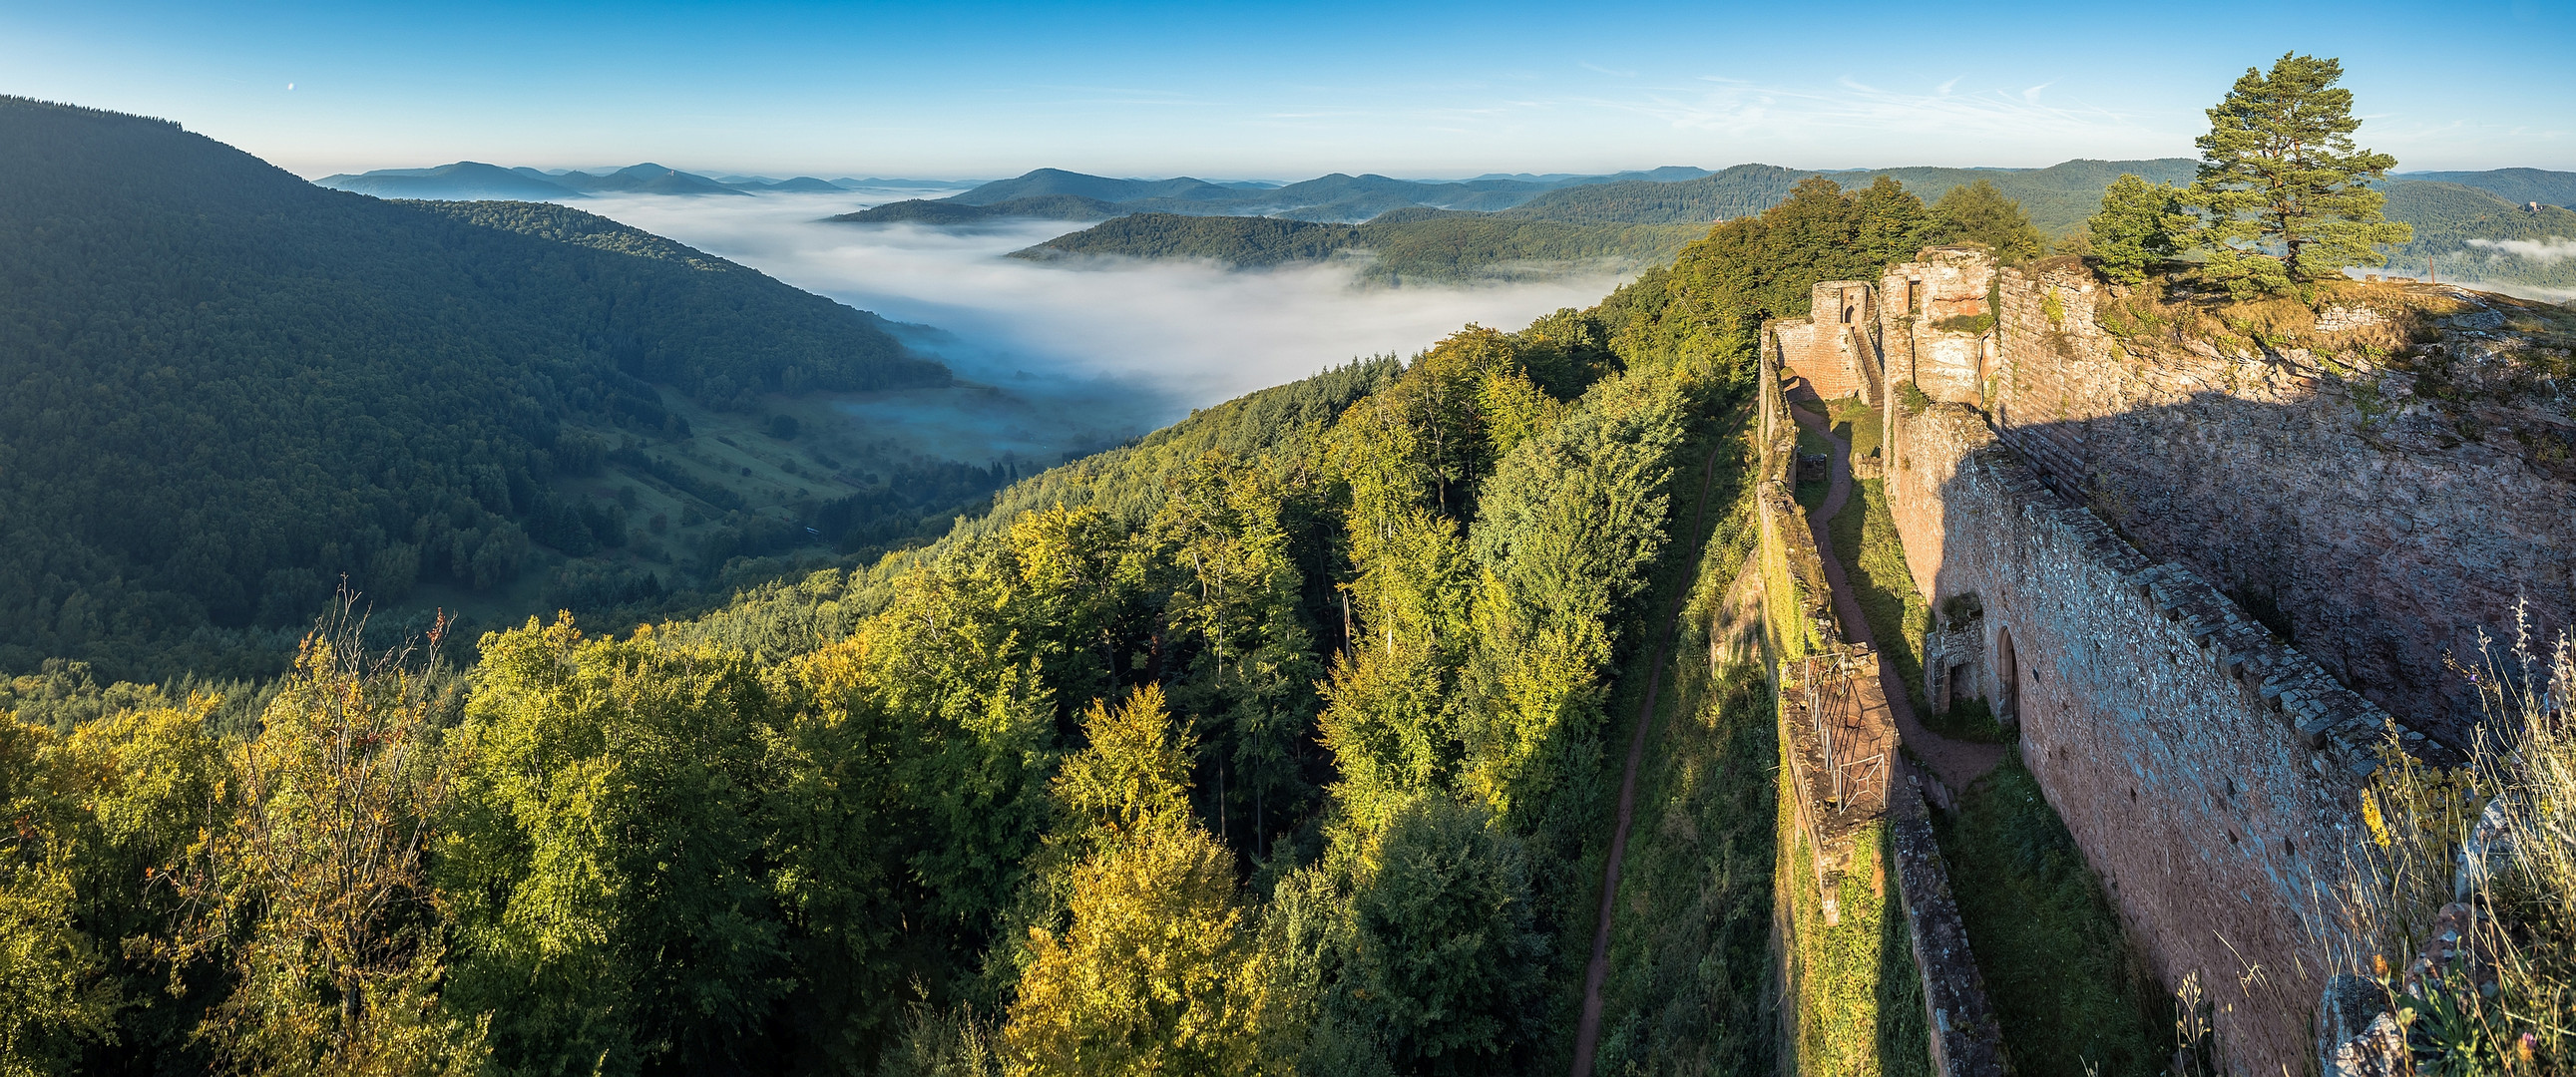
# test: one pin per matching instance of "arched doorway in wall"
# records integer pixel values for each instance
(2007, 686)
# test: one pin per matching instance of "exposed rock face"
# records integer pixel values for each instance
(2376, 510)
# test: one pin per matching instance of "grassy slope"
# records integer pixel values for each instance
(1865, 541)
(1690, 970)
(2071, 994)
(1676, 575)
(1860, 1001)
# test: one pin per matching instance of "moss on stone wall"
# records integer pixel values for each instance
(1856, 1000)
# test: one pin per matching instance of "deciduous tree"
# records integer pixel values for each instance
(1979, 213)
(2138, 227)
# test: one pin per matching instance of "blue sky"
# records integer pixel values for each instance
(1280, 91)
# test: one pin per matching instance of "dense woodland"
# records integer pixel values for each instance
(1423, 244)
(1274, 741)
(1415, 244)
(1279, 741)
(2470, 234)
(230, 389)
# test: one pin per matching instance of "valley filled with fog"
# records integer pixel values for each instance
(1122, 343)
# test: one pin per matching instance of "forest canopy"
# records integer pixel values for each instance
(230, 389)
(1274, 742)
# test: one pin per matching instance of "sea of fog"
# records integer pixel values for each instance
(1116, 347)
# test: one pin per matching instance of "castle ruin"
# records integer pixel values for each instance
(2206, 580)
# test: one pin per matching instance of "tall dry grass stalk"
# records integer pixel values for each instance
(2496, 837)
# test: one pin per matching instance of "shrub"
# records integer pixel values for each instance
(2512, 809)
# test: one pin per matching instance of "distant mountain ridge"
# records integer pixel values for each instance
(2524, 185)
(1414, 244)
(2503, 227)
(1338, 198)
(469, 181)
(2058, 197)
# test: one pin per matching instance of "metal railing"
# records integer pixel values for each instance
(1828, 679)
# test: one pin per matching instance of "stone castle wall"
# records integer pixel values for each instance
(2206, 770)
(1927, 316)
(2211, 583)
(2379, 543)
(2214, 575)
(1830, 348)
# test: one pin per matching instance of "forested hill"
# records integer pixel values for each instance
(1294, 729)
(2466, 233)
(1406, 244)
(226, 389)
(1735, 192)
(2058, 198)
(2516, 185)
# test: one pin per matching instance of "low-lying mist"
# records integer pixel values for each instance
(1114, 348)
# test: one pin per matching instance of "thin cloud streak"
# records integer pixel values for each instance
(2543, 250)
(1747, 112)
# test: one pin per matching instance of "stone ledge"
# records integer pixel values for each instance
(1966, 1040)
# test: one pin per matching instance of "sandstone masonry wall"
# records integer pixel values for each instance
(2329, 492)
(1830, 347)
(1800, 622)
(1926, 316)
(2207, 771)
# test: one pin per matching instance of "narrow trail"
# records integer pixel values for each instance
(1587, 1031)
(1955, 763)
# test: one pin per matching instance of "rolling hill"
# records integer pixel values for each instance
(1056, 181)
(1052, 207)
(1735, 192)
(465, 180)
(2519, 185)
(2058, 197)
(1416, 244)
(1339, 198)
(473, 181)
(2472, 234)
(645, 178)
(1423, 231)
(230, 389)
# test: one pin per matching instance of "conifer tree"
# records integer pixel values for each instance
(2138, 226)
(2286, 194)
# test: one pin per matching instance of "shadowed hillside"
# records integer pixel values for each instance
(230, 389)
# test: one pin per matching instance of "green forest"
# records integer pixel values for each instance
(230, 391)
(1429, 245)
(2466, 222)
(1273, 742)
(1418, 244)
(1286, 739)
(2463, 233)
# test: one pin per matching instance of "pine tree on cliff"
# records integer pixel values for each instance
(2285, 193)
